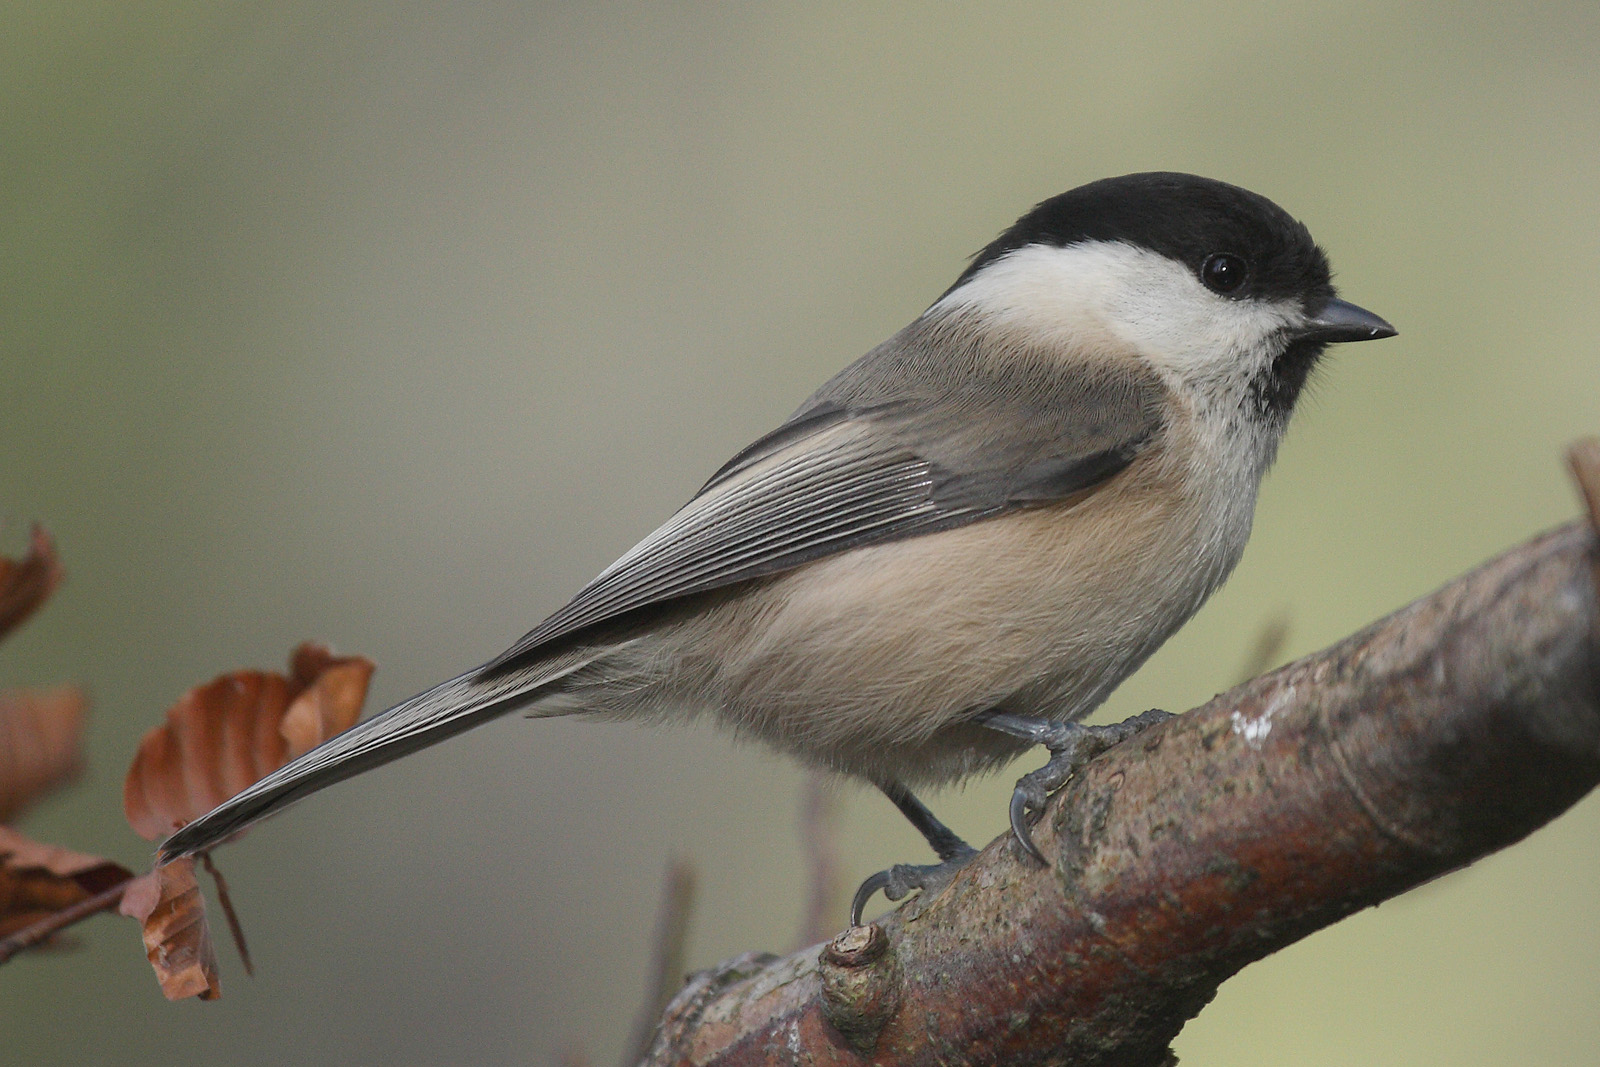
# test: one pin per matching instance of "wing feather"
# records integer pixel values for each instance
(844, 485)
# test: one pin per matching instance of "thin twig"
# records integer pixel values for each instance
(819, 809)
(668, 952)
(572, 1057)
(37, 932)
(235, 927)
(1583, 458)
(1265, 654)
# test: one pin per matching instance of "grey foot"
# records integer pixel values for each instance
(902, 878)
(1071, 745)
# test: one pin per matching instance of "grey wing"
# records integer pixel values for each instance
(833, 478)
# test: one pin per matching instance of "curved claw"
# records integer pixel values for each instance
(1019, 824)
(903, 879)
(865, 893)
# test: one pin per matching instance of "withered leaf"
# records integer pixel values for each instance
(41, 744)
(38, 880)
(172, 917)
(333, 688)
(27, 583)
(236, 729)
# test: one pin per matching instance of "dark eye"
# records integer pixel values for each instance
(1223, 273)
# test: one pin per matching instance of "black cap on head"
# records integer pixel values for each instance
(1186, 218)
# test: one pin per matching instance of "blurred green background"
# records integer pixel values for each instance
(392, 323)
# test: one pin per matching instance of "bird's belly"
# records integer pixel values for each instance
(875, 661)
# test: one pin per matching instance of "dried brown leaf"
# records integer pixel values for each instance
(27, 583)
(172, 916)
(41, 744)
(333, 690)
(218, 738)
(38, 880)
(236, 729)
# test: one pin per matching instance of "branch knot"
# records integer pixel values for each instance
(861, 981)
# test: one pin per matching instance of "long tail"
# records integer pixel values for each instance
(425, 719)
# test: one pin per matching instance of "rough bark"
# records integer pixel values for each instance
(1450, 729)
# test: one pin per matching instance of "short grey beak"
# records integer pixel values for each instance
(1343, 321)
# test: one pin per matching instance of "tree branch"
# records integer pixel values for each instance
(668, 949)
(41, 930)
(1448, 730)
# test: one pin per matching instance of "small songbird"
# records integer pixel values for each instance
(961, 543)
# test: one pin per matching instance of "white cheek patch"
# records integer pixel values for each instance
(1099, 292)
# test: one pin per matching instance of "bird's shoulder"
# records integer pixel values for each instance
(940, 391)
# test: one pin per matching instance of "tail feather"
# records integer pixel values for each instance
(427, 718)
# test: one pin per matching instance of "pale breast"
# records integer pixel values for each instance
(869, 660)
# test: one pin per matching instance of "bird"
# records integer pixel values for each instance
(961, 543)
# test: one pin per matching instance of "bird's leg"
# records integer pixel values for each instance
(1071, 746)
(902, 878)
